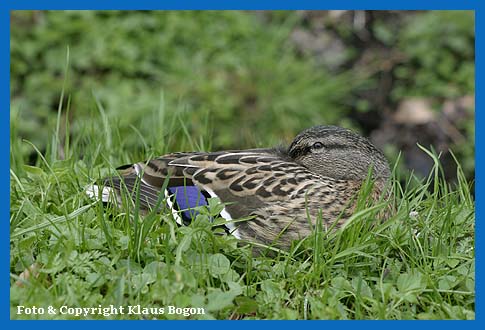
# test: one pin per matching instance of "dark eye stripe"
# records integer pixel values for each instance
(297, 152)
(336, 146)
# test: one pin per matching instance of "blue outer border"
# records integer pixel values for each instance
(7, 5)
(5, 161)
(479, 152)
(247, 4)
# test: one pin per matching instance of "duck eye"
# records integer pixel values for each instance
(317, 145)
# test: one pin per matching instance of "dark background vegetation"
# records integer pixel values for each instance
(247, 79)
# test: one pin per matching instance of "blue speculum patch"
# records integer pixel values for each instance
(186, 199)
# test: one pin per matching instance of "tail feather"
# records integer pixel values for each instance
(149, 195)
(102, 193)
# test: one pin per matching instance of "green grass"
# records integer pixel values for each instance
(419, 264)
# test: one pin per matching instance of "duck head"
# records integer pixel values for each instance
(338, 153)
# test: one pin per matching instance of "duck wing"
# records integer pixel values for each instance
(263, 184)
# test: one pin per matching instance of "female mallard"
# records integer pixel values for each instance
(278, 189)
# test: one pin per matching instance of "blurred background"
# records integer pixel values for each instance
(245, 79)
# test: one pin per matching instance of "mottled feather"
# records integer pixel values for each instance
(282, 191)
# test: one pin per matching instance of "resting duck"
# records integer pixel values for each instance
(278, 189)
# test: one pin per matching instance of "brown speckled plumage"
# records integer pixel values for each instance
(280, 189)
